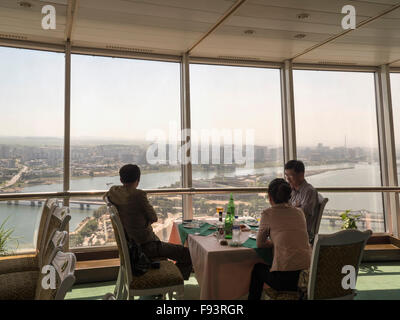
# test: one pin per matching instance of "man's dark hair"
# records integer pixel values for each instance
(279, 190)
(296, 165)
(129, 173)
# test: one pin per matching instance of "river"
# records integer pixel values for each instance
(25, 218)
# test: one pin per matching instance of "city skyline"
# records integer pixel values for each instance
(115, 141)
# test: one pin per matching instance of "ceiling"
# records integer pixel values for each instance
(262, 30)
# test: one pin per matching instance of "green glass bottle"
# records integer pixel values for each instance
(229, 218)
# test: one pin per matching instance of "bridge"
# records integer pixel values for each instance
(82, 203)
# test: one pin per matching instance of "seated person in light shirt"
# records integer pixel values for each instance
(303, 194)
(286, 228)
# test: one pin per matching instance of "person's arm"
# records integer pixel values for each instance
(148, 209)
(263, 233)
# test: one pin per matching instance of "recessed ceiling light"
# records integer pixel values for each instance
(303, 16)
(249, 32)
(25, 4)
(300, 36)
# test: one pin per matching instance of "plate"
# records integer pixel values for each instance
(232, 244)
(253, 224)
(190, 226)
(253, 236)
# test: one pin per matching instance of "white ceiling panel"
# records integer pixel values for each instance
(375, 43)
(25, 23)
(268, 30)
(160, 26)
(363, 8)
(348, 54)
(275, 24)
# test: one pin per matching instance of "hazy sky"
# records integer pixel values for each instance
(124, 99)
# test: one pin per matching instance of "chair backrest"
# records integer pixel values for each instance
(330, 254)
(57, 242)
(319, 213)
(57, 220)
(120, 238)
(48, 207)
(64, 268)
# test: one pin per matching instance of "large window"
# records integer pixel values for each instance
(236, 129)
(122, 111)
(395, 84)
(236, 126)
(31, 134)
(337, 138)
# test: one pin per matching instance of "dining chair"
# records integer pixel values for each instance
(30, 262)
(331, 253)
(19, 274)
(57, 243)
(317, 219)
(57, 220)
(272, 294)
(324, 278)
(165, 280)
(64, 267)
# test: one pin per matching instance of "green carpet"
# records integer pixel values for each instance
(379, 281)
(376, 281)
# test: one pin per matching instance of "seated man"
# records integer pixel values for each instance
(303, 194)
(137, 215)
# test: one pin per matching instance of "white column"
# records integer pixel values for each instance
(288, 113)
(387, 148)
(186, 169)
(67, 118)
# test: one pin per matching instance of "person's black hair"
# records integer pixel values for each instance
(129, 173)
(279, 190)
(296, 165)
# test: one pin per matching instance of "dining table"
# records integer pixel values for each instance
(223, 272)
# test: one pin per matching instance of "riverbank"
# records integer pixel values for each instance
(231, 178)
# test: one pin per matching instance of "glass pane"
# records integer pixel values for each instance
(31, 134)
(23, 217)
(246, 204)
(32, 130)
(337, 137)
(91, 226)
(236, 126)
(336, 126)
(169, 209)
(123, 111)
(395, 84)
(120, 108)
(367, 205)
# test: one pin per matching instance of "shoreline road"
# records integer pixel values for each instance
(14, 179)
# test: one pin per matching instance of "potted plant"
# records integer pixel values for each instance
(6, 238)
(349, 220)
